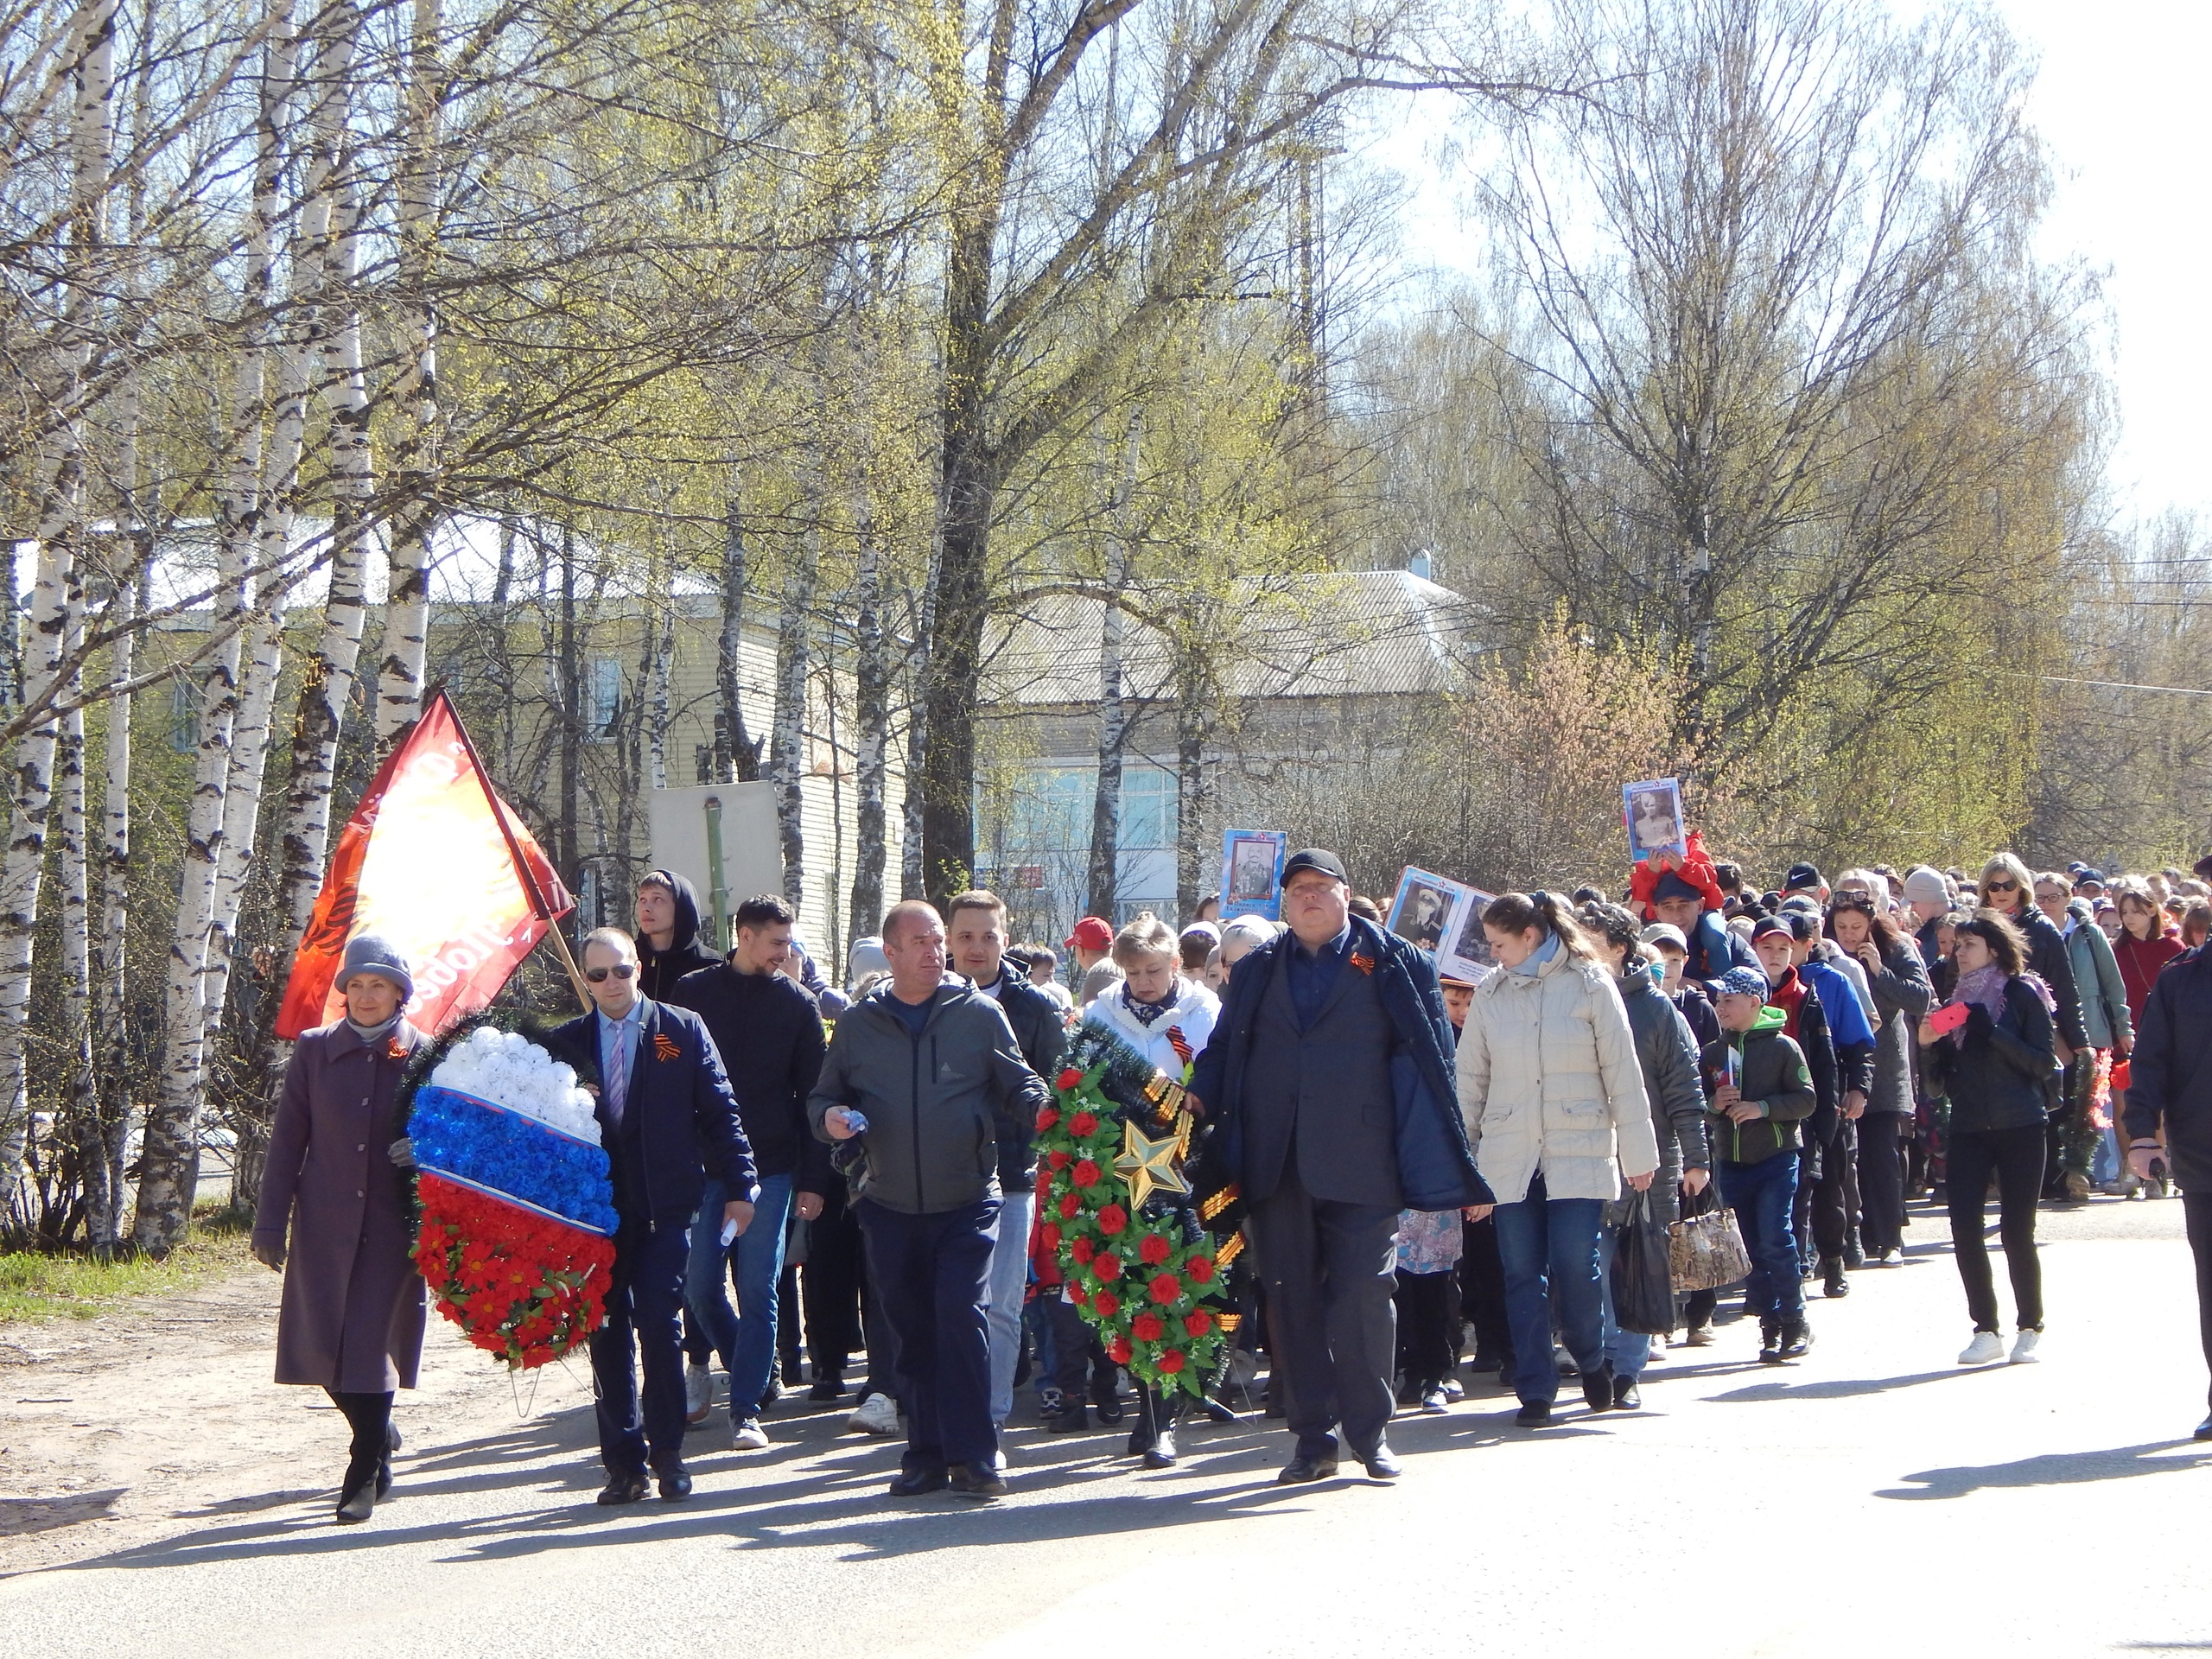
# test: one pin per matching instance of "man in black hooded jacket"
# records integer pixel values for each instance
(668, 933)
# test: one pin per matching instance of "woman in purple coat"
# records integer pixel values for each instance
(351, 1322)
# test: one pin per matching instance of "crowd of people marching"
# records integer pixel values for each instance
(1433, 1171)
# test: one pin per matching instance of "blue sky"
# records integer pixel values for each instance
(2121, 102)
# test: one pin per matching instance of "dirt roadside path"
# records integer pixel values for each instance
(119, 1430)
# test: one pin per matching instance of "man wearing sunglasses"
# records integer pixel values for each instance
(667, 1118)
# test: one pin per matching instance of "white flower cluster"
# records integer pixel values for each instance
(507, 1069)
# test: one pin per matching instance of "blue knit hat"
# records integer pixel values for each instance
(367, 953)
(1742, 981)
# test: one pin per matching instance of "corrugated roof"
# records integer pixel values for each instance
(1352, 633)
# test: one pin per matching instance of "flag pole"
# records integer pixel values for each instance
(539, 904)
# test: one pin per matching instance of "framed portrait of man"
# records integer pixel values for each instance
(1654, 810)
(1466, 954)
(1251, 872)
(1423, 911)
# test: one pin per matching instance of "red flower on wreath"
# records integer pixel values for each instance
(1147, 1327)
(1049, 1235)
(1200, 1267)
(1085, 1174)
(1058, 1160)
(1197, 1324)
(1164, 1288)
(1083, 1250)
(1071, 1205)
(1113, 1219)
(1155, 1249)
(1171, 1362)
(1069, 1078)
(1047, 1116)
(1107, 1266)
(1078, 1295)
(1105, 1304)
(1083, 1125)
(1119, 1350)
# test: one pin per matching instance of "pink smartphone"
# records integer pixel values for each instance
(1949, 1017)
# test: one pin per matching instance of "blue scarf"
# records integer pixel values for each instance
(1146, 1012)
(1533, 964)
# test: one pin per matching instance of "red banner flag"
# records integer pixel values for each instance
(423, 863)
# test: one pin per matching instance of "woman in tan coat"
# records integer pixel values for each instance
(1555, 1111)
(352, 1321)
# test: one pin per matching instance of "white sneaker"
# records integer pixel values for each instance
(747, 1435)
(1987, 1349)
(875, 1415)
(2023, 1348)
(698, 1393)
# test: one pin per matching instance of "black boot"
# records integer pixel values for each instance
(1770, 1342)
(1796, 1338)
(1832, 1283)
(1153, 1438)
(357, 1497)
(383, 1464)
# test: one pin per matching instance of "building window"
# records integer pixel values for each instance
(184, 716)
(1147, 809)
(605, 695)
(1053, 812)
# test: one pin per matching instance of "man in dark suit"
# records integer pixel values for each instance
(666, 1116)
(2170, 1092)
(1330, 1077)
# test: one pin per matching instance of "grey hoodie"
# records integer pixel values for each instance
(946, 1111)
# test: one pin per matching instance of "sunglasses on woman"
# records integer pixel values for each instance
(2000, 886)
(620, 970)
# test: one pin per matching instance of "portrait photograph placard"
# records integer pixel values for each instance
(1656, 822)
(1251, 872)
(1426, 906)
(1467, 953)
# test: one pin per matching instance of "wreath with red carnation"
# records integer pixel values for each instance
(1146, 1275)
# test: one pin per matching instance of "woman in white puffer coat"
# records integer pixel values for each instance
(1554, 1099)
(1164, 1016)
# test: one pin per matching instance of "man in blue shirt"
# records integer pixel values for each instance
(665, 1115)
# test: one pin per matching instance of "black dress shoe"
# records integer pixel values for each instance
(1626, 1397)
(1533, 1413)
(675, 1487)
(2204, 1429)
(1073, 1420)
(1598, 1388)
(623, 1489)
(1381, 1464)
(1302, 1468)
(976, 1480)
(1832, 1283)
(1110, 1406)
(912, 1483)
(1160, 1454)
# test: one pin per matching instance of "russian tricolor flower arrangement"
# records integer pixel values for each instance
(515, 1239)
(1121, 1218)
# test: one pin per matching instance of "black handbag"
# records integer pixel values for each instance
(1642, 1277)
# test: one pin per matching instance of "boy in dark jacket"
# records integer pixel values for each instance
(668, 933)
(1761, 1093)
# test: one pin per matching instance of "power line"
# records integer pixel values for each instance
(2125, 685)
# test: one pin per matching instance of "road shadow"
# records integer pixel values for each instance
(2052, 1469)
(1847, 1388)
(820, 1487)
(22, 1516)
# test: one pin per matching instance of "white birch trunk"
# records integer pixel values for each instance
(328, 233)
(80, 1095)
(108, 1027)
(407, 603)
(92, 45)
(170, 1161)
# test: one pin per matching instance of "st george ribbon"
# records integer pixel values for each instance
(433, 861)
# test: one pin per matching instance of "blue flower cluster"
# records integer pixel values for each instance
(507, 1153)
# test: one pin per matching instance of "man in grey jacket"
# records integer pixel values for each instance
(925, 1073)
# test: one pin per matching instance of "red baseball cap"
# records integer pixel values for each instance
(1090, 934)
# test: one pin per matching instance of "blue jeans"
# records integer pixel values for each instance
(1009, 1289)
(1630, 1351)
(744, 1335)
(1548, 1248)
(1763, 1196)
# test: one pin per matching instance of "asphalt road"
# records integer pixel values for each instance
(1873, 1500)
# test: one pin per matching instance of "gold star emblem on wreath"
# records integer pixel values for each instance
(1147, 1164)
